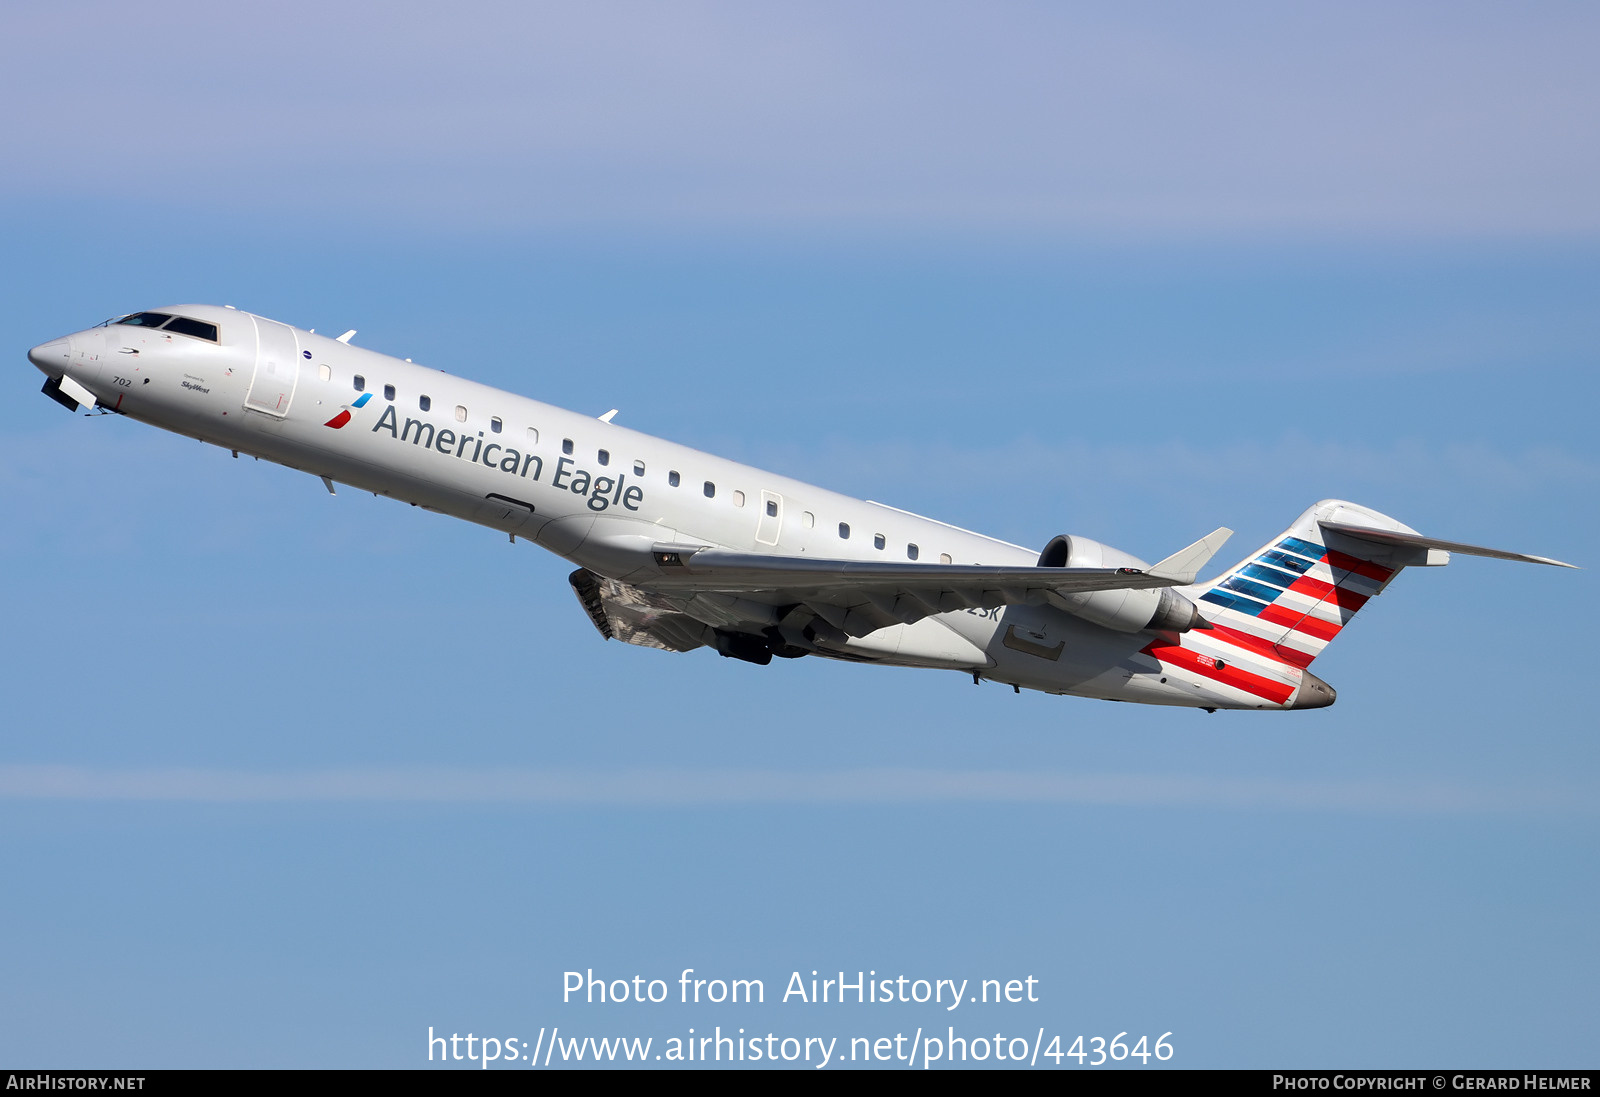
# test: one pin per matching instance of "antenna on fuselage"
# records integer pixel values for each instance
(606, 418)
(345, 338)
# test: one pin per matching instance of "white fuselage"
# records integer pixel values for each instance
(594, 492)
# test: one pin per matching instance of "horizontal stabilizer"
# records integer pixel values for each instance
(1416, 540)
(1182, 566)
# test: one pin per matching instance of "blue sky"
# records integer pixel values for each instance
(287, 779)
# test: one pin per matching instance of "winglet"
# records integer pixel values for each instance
(1184, 564)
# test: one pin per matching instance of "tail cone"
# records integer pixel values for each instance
(1314, 693)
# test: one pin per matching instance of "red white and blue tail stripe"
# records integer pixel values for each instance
(1291, 598)
(1273, 613)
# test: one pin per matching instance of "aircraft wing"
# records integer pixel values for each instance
(858, 597)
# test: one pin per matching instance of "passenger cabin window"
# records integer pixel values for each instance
(533, 436)
(360, 383)
(494, 426)
(325, 372)
(461, 413)
(911, 552)
(388, 392)
(425, 403)
(711, 490)
(878, 541)
(738, 498)
(944, 558)
(807, 519)
(566, 446)
(672, 478)
(604, 457)
(844, 531)
(638, 468)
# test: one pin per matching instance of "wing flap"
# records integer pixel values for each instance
(624, 612)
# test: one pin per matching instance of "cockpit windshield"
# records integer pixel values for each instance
(197, 328)
(183, 325)
(146, 319)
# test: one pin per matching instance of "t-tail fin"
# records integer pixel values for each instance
(1290, 599)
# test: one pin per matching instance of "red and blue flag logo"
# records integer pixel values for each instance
(344, 414)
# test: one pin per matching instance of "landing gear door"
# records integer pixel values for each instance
(277, 368)
(509, 515)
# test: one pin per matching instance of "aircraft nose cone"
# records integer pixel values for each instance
(1314, 693)
(51, 357)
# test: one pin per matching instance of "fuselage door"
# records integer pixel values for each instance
(770, 523)
(277, 368)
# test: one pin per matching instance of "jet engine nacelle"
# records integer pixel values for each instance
(1123, 610)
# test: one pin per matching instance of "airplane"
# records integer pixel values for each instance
(678, 549)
